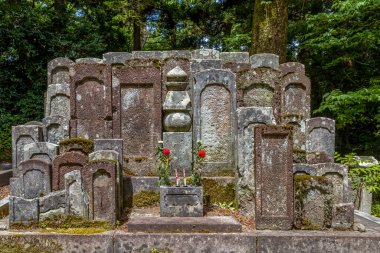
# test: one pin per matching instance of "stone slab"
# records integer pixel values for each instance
(207, 54)
(76, 199)
(236, 57)
(265, 60)
(52, 204)
(116, 58)
(180, 144)
(215, 224)
(23, 210)
(5, 176)
(343, 216)
(58, 71)
(176, 54)
(273, 178)
(41, 150)
(320, 135)
(147, 54)
(58, 100)
(110, 144)
(56, 128)
(89, 60)
(197, 65)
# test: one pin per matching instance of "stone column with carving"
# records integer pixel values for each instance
(177, 134)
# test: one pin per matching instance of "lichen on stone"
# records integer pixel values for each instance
(146, 198)
(86, 145)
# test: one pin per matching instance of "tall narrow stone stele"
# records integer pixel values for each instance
(214, 119)
(177, 120)
(248, 118)
(56, 128)
(273, 178)
(137, 113)
(91, 101)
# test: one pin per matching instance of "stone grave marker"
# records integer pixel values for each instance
(56, 128)
(41, 150)
(76, 199)
(58, 100)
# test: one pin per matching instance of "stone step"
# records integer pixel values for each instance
(213, 224)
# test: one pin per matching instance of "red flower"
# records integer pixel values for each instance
(166, 151)
(202, 153)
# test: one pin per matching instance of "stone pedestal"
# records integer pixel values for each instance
(181, 201)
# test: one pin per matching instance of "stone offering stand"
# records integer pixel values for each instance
(95, 150)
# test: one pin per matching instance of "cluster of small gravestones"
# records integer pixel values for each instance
(252, 114)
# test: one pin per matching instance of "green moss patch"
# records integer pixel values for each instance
(86, 145)
(214, 192)
(146, 198)
(18, 244)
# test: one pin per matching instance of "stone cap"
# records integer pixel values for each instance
(265, 60)
(176, 75)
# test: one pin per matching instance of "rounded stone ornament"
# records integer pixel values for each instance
(177, 122)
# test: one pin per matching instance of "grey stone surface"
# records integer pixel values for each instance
(343, 216)
(214, 119)
(180, 144)
(89, 60)
(207, 54)
(177, 100)
(52, 204)
(298, 125)
(181, 201)
(264, 60)
(176, 54)
(16, 187)
(4, 209)
(147, 54)
(76, 199)
(23, 210)
(58, 100)
(56, 128)
(236, 57)
(215, 224)
(176, 75)
(320, 135)
(177, 122)
(116, 58)
(58, 71)
(110, 144)
(248, 118)
(304, 169)
(41, 150)
(197, 65)
(21, 136)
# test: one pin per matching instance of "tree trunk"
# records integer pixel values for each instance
(136, 36)
(270, 26)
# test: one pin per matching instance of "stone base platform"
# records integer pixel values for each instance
(213, 224)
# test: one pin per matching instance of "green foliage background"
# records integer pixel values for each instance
(336, 40)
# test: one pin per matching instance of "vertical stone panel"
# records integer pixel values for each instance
(56, 128)
(91, 101)
(320, 136)
(273, 178)
(214, 119)
(76, 198)
(58, 100)
(137, 114)
(248, 118)
(58, 71)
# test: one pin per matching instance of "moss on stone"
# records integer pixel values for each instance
(86, 144)
(19, 244)
(146, 198)
(75, 231)
(214, 192)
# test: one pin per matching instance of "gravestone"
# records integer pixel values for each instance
(320, 138)
(207, 54)
(91, 101)
(248, 118)
(343, 216)
(236, 57)
(41, 150)
(273, 177)
(76, 199)
(23, 210)
(35, 178)
(58, 100)
(99, 178)
(137, 114)
(264, 60)
(66, 163)
(116, 58)
(214, 119)
(58, 71)
(56, 128)
(110, 144)
(21, 136)
(52, 204)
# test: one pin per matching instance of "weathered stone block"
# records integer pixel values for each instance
(207, 54)
(264, 60)
(41, 150)
(89, 60)
(116, 58)
(273, 177)
(177, 100)
(236, 57)
(56, 128)
(16, 187)
(320, 135)
(236, 67)
(312, 202)
(35, 178)
(318, 157)
(177, 122)
(180, 144)
(21, 136)
(23, 210)
(137, 116)
(176, 54)
(181, 201)
(91, 101)
(80, 145)
(58, 71)
(298, 125)
(110, 144)
(58, 100)
(343, 216)
(52, 204)
(214, 119)
(147, 54)
(200, 65)
(248, 118)
(77, 202)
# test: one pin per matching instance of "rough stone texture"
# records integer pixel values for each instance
(237, 57)
(343, 216)
(236, 67)
(298, 125)
(312, 202)
(56, 128)
(177, 100)
(215, 224)
(66, 163)
(74, 145)
(41, 150)
(200, 65)
(137, 115)
(265, 61)
(214, 119)
(304, 169)
(177, 122)
(16, 187)
(273, 177)
(23, 210)
(181, 201)
(52, 204)
(116, 58)
(58, 100)
(320, 135)
(259, 88)
(207, 54)
(89, 60)
(180, 144)
(147, 54)
(91, 101)
(248, 118)
(58, 71)
(318, 157)
(110, 144)
(176, 54)
(99, 178)
(35, 178)
(21, 136)
(76, 199)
